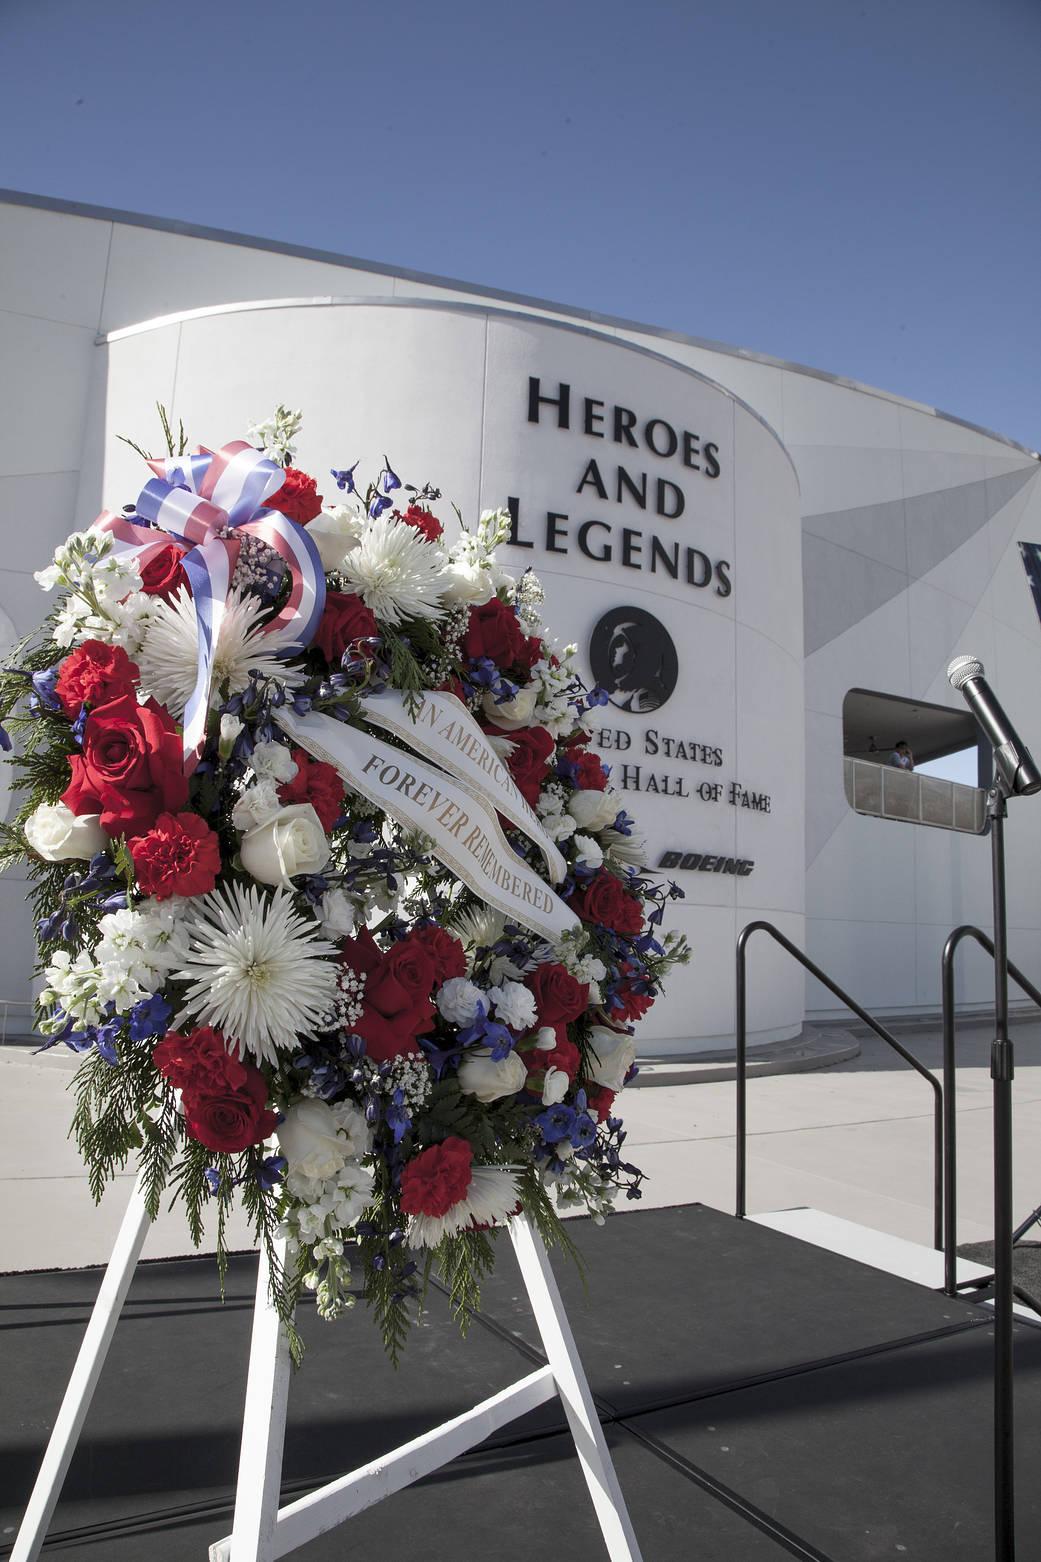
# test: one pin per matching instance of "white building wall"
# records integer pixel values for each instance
(910, 529)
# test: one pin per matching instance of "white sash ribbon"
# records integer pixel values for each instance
(460, 821)
(443, 730)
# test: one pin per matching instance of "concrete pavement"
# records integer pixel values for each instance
(853, 1140)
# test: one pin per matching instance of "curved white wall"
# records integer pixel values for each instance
(492, 406)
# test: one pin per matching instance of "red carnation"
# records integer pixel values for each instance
(437, 1179)
(131, 767)
(423, 520)
(559, 996)
(445, 950)
(93, 674)
(179, 856)
(298, 497)
(163, 575)
(200, 1061)
(396, 1006)
(605, 901)
(599, 1101)
(529, 758)
(563, 1055)
(590, 775)
(316, 783)
(345, 620)
(630, 1004)
(223, 1096)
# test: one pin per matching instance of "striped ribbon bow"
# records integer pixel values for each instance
(196, 498)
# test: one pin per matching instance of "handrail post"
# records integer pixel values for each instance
(740, 1039)
(950, 1177)
(873, 1024)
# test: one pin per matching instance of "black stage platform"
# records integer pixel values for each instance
(763, 1399)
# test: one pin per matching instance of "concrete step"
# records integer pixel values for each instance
(895, 1255)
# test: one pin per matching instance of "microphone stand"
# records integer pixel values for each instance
(1002, 1068)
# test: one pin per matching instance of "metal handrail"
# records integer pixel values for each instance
(950, 1171)
(862, 1014)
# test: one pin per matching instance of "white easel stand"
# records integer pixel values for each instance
(262, 1531)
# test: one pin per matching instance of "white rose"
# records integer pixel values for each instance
(337, 912)
(481, 1076)
(554, 1086)
(56, 834)
(311, 1141)
(292, 842)
(593, 810)
(612, 1055)
(511, 714)
(467, 585)
(335, 532)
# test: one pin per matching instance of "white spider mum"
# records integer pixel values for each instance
(257, 969)
(397, 573)
(169, 657)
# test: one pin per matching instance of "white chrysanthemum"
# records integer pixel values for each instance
(624, 850)
(478, 928)
(258, 970)
(490, 1199)
(397, 573)
(168, 659)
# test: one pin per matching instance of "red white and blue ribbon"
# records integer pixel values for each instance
(194, 499)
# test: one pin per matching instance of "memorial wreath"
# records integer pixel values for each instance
(333, 896)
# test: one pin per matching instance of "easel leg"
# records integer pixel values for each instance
(263, 1431)
(573, 1388)
(91, 1359)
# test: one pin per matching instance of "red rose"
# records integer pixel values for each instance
(559, 996)
(528, 763)
(130, 770)
(445, 950)
(232, 1119)
(605, 901)
(564, 1055)
(163, 576)
(178, 856)
(590, 775)
(298, 497)
(437, 1179)
(396, 1006)
(94, 674)
(345, 619)
(599, 1101)
(316, 783)
(423, 520)
(493, 631)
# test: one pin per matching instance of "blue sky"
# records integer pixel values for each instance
(854, 186)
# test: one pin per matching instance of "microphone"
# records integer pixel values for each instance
(1011, 755)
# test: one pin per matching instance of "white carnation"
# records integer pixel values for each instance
(514, 1005)
(458, 1000)
(273, 762)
